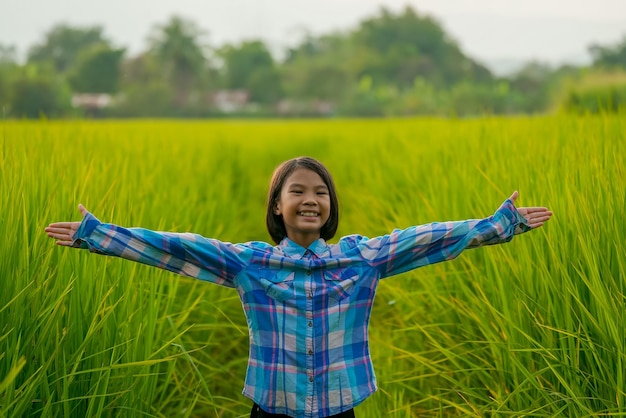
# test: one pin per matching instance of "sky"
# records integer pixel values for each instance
(494, 32)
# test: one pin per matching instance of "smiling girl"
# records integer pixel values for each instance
(307, 302)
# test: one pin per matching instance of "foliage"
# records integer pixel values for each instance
(319, 69)
(390, 64)
(391, 51)
(597, 91)
(597, 100)
(368, 100)
(530, 328)
(422, 99)
(405, 46)
(8, 69)
(612, 56)
(250, 66)
(97, 70)
(37, 92)
(144, 90)
(151, 99)
(8, 55)
(179, 48)
(63, 43)
(531, 88)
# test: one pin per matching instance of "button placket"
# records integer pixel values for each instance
(310, 332)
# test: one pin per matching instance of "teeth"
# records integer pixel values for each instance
(308, 213)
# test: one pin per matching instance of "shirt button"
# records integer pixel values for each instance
(310, 324)
(310, 296)
(310, 351)
(310, 378)
(308, 272)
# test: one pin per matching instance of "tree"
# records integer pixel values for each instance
(37, 92)
(391, 50)
(97, 70)
(145, 91)
(609, 56)
(63, 44)
(250, 66)
(8, 55)
(318, 81)
(8, 65)
(533, 82)
(405, 46)
(320, 68)
(178, 46)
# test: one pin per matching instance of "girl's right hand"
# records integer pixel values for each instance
(64, 232)
(536, 216)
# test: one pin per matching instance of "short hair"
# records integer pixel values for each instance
(275, 224)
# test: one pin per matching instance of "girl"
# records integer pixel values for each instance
(307, 302)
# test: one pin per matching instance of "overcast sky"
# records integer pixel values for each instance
(491, 31)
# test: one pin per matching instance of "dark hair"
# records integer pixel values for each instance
(274, 223)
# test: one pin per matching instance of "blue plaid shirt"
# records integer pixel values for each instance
(307, 309)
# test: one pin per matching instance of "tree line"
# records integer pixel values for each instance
(390, 64)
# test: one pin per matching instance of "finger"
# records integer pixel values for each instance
(82, 209)
(65, 243)
(535, 215)
(62, 237)
(514, 196)
(539, 214)
(541, 218)
(58, 230)
(63, 224)
(533, 209)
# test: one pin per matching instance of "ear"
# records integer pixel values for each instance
(277, 210)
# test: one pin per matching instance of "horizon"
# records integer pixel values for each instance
(496, 34)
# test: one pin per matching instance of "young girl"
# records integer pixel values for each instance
(307, 302)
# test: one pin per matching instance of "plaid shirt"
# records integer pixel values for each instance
(307, 309)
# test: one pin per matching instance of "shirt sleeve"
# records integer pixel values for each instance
(186, 254)
(418, 246)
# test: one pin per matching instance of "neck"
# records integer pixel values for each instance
(304, 240)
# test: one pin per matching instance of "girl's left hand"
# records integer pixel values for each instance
(535, 215)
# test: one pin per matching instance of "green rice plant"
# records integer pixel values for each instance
(597, 91)
(531, 328)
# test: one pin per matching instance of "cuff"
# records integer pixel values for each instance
(87, 226)
(512, 221)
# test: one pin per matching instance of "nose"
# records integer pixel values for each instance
(310, 200)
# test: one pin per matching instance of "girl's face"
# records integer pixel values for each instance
(304, 204)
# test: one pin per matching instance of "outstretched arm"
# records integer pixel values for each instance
(404, 250)
(186, 254)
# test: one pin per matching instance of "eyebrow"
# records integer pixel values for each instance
(320, 186)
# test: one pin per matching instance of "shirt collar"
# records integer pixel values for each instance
(294, 250)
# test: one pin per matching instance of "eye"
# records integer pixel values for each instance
(296, 191)
(322, 193)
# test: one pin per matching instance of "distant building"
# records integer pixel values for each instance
(92, 104)
(229, 101)
(288, 107)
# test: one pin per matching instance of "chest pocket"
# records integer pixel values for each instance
(341, 284)
(277, 284)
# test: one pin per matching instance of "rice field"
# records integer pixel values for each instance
(533, 328)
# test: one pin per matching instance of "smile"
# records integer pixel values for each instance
(308, 214)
